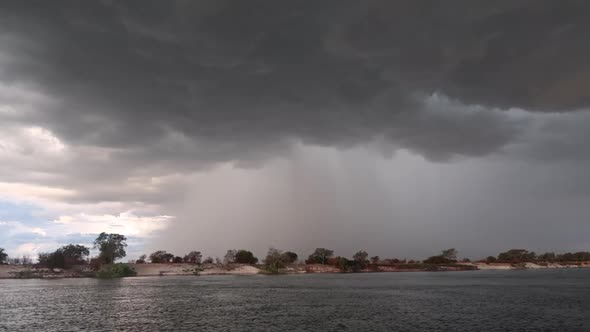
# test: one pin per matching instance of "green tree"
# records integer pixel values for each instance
(375, 260)
(3, 256)
(547, 257)
(245, 257)
(275, 260)
(320, 256)
(161, 256)
(517, 256)
(193, 257)
(74, 254)
(491, 259)
(361, 256)
(177, 259)
(290, 257)
(64, 257)
(580, 256)
(360, 260)
(141, 259)
(447, 256)
(439, 259)
(52, 260)
(111, 247)
(344, 264)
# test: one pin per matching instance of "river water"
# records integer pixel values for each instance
(556, 300)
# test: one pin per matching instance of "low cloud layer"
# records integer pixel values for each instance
(110, 107)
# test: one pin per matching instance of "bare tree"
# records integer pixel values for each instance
(230, 256)
(450, 254)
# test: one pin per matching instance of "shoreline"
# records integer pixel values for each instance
(186, 269)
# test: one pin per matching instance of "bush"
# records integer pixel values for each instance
(64, 257)
(119, 270)
(245, 257)
(347, 265)
(517, 256)
(177, 260)
(141, 259)
(52, 260)
(276, 260)
(438, 260)
(193, 257)
(25, 274)
(320, 256)
(161, 256)
(574, 257)
(360, 259)
(290, 257)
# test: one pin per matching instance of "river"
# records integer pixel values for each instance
(539, 300)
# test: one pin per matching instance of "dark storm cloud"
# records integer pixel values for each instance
(236, 80)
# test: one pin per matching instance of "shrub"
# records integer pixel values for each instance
(320, 256)
(52, 259)
(517, 256)
(64, 257)
(161, 256)
(119, 270)
(574, 257)
(342, 263)
(193, 257)
(275, 260)
(360, 259)
(245, 257)
(438, 260)
(290, 257)
(25, 274)
(177, 259)
(141, 259)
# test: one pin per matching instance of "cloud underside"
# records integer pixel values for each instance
(235, 80)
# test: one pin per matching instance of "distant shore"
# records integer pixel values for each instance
(186, 269)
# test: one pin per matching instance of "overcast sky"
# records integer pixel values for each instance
(397, 127)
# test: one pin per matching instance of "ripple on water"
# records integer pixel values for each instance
(463, 301)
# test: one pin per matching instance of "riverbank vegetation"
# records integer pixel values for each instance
(118, 270)
(76, 260)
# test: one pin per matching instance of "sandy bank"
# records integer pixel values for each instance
(7, 271)
(144, 270)
(492, 266)
(521, 266)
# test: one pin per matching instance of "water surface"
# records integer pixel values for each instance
(557, 300)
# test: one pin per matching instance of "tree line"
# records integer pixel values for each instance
(111, 247)
(514, 256)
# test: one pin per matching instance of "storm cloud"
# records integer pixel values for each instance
(130, 103)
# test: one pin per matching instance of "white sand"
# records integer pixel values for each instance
(494, 266)
(189, 269)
